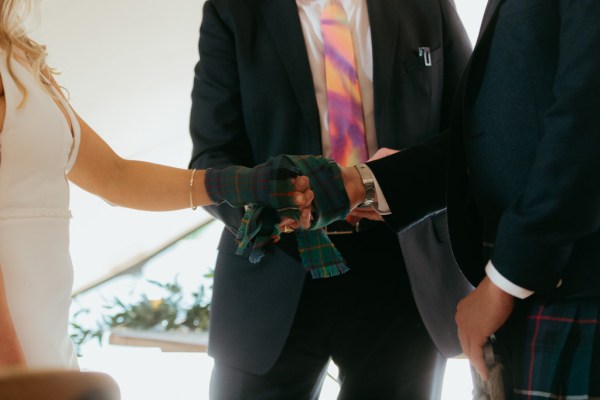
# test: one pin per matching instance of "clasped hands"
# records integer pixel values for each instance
(304, 197)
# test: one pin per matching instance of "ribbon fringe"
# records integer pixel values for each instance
(329, 271)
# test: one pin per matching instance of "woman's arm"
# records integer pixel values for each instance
(133, 184)
(147, 186)
(10, 348)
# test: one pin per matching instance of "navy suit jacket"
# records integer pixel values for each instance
(253, 98)
(524, 164)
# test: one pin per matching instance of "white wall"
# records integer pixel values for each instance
(471, 12)
(128, 66)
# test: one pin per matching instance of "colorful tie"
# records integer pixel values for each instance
(344, 103)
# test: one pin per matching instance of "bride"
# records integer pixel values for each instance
(43, 142)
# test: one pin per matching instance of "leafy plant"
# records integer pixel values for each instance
(169, 313)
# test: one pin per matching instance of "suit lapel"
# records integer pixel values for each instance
(384, 26)
(282, 16)
(488, 16)
(460, 197)
(474, 69)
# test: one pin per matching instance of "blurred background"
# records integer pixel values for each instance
(128, 68)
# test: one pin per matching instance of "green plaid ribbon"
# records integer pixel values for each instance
(268, 191)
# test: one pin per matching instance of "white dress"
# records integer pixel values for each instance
(37, 149)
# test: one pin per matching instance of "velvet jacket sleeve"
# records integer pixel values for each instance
(216, 124)
(413, 182)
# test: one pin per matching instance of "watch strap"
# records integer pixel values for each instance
(368, 181)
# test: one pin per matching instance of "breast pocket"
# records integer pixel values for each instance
(422, 58)
(424, 83)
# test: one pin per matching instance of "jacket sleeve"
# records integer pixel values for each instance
(413, 182)
(216, 123)
(560, 204)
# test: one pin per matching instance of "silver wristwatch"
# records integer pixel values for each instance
(368, 181)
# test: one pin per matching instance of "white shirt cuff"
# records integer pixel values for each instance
(504, 283)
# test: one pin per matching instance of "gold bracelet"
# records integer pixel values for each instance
(192, 190)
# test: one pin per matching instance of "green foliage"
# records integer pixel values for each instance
(168, 313)
(197, 316)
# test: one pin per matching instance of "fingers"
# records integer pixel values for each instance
(288, 225)
(304, 221)
(475, 355)
(305, 218)
(473, 350)
(302, 183)
(287, 229)
(308, 197)
(368, 213)
(352, 218)
(303, 198)
(289, 222)
(478, 362)
(481, 313)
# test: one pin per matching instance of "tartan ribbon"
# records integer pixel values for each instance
(268, 191)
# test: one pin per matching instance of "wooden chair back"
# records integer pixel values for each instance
(57, 385)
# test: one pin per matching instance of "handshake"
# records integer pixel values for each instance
(300, 194)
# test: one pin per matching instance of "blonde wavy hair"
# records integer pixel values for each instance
(17, 44)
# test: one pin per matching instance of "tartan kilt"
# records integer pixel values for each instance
(552, 350)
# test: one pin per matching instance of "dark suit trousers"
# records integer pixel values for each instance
(365, 321)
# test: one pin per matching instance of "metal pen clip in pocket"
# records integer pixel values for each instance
(425, 52)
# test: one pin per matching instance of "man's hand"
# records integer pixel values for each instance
(368, 213)
(478, 316)
(359, 213)
(383, 152)
(303, 197)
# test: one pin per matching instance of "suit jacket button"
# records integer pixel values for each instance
(559, 283)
